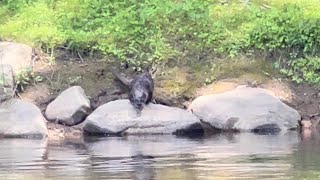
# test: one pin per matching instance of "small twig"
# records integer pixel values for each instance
(80, 56)
(52, 52)
(52, 74)
(19, 96)
(14, 91)
(34, 57)
(33, 61)
(63, 47)
(49, 79)
(315, 114)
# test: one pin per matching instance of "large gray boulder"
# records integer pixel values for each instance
(21, 119)
(118, 117)
(19, 56)
(70, 108)
(245, 109)
(6, 82)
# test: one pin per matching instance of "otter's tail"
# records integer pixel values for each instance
(123, 79)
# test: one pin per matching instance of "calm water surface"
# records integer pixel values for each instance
(240, 156)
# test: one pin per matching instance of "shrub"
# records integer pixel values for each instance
(35, 25)
(303, 69)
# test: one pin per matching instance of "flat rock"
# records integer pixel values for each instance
(19, 56)
(6, 82)
(118, 116)
(245, 109)
(70, 108)
(21, 119)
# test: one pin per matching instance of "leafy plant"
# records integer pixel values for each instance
(26, 77)
(4, 80)
(303, 69)
(143, 32)
(74, 79)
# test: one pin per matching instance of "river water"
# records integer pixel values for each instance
(238, 156)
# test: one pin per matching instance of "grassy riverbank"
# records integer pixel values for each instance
(271, 43)
(143, 32)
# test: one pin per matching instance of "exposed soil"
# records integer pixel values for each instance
(307, 101)
(62, 132)
(174, 86)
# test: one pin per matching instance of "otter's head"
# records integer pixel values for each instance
(137, 104)
(139, 100)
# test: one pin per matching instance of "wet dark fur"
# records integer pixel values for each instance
(141, 90)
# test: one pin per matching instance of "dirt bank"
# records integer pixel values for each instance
(175, 85)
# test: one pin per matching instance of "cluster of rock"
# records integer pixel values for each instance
(243, 109)
(17, 118)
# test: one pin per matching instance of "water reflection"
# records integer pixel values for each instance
(305, 158)
(240, 156)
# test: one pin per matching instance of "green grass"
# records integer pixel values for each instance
(141, 32)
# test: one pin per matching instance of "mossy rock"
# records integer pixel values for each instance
(174, 87)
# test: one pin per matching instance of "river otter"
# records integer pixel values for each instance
(141, 89)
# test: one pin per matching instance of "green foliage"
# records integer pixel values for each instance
(137, 31)
(210, 75)
(303, 69)
(15, 5)
(27, 76)
(141, 32)
(4, 80)
(285, 29)
(34, 26)
(73, 80)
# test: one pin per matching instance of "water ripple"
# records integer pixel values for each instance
(241, 156)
